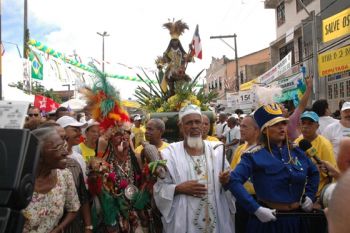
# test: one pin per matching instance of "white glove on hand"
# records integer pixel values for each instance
(307, 205)
(265, 214)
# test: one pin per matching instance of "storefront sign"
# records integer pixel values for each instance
(280, 68)
(334, 61)
(336, 26)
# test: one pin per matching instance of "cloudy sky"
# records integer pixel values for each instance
(135, 28)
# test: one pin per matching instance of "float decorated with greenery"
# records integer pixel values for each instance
(174, 89)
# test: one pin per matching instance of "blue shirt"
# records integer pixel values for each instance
(274, 176)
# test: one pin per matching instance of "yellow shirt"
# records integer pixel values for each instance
(139, 134)
(236, 159)
(86, 151)
(325, 152)
(140, 148)
(212, 139)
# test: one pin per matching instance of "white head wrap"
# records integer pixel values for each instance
(189, 109)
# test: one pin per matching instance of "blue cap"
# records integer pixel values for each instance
(311, 115)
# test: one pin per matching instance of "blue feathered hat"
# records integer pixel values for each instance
(268, 115)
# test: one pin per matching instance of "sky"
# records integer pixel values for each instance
(136, 33)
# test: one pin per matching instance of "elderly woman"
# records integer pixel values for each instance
(284, 178)
(54, 191)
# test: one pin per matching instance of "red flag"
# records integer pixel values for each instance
(45, 104)
(196, 44)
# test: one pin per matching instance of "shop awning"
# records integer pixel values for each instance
(247, 85)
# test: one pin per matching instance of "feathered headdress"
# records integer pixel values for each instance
(176, 28)
(104, 102)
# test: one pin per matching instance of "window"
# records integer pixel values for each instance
(220, 84)
(286, 49)
(306, 2)
(330, 94)
(241, 77)
(280, 11)
(348, 88)
(300, 49)
(341, 90)
(335, 90)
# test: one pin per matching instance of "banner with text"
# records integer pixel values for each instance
(280, 68)
(334, 61)
(336, 26)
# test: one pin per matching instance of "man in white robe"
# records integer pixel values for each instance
(191, 198)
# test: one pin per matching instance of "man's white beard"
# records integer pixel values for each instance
(195, 142)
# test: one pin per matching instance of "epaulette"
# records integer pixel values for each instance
(253, 149)
(293, 145)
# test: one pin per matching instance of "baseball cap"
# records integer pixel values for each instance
(90, 123)
(311, 115)
(65, 121)
(345, 106)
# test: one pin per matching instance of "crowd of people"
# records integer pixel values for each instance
(248, 175)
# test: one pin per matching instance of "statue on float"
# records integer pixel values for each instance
(174, 60)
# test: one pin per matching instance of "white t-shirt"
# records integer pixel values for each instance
(79, 158)
(221, 128)
(324, 122)
(232, 134)
(334, 133)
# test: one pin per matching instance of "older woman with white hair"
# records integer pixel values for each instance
(54, 191)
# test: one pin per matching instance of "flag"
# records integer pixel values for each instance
(196, 44)
(37, 66)
(45, 104)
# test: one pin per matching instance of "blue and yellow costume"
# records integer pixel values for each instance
(280, 175)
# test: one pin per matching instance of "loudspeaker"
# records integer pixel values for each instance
(11, 221)
(19, 154)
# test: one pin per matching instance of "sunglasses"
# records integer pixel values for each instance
(33, 114)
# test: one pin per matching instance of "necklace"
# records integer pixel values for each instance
(198, 163)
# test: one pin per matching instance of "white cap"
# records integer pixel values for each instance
(90, 123)
(137, 117)
(189, 109)
(345, 106)
(70, 121)
(235, 115)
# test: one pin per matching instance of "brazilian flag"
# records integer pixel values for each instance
(37, 66)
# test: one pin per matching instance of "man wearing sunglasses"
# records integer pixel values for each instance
(34, 112)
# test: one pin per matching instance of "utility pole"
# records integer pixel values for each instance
(316, 80)
(234, 36)
(104, 34)
(1, 53)
(25, 30)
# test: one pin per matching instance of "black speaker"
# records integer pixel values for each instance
(11, 221)
(19, 154)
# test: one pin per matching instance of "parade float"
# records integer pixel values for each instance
(174, 88)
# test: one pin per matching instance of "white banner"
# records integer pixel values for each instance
(280, 68)
(246, 99)
(289, 83)
(232, 100)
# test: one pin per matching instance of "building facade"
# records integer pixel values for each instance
(294, 34)
(221, 75)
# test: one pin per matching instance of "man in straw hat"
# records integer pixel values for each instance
(284, 178)
(190, 198)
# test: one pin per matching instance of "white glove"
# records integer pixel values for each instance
(307, 205)
(265, 214)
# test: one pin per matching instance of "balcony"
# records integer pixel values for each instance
(270, 4)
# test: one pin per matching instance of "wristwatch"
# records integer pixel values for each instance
(90, 227)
